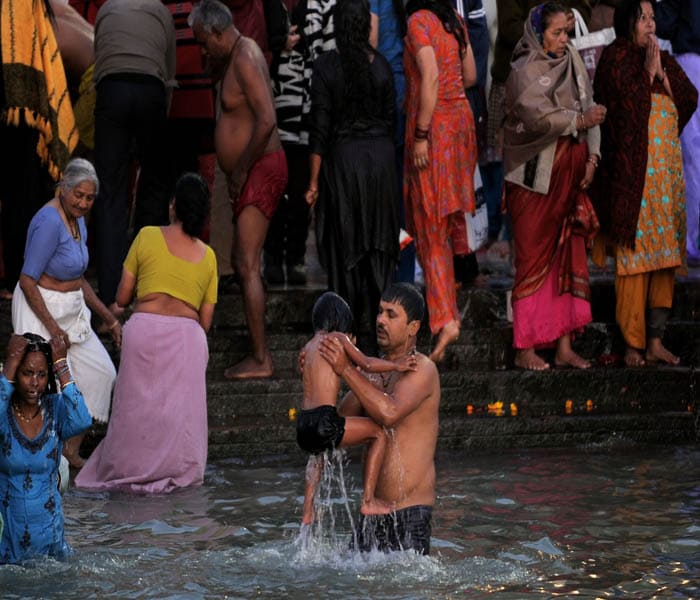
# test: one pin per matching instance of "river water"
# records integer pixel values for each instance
(593, 522)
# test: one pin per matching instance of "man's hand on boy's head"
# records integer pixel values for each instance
(332, 351)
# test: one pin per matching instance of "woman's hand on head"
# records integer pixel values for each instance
(58, 333)
(16, 346)
(58, 348)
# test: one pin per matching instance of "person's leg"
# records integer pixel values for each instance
(631, 293)
(112, 161)
(566, 357)
(361, 430)
(314, 468)
(660, 300)
(155, 183)
(298, 213)
(221, 228)
(492, 176)
(249, 237)
(435, 255)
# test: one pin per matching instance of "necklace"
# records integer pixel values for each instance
(21, 416)
(72, 224)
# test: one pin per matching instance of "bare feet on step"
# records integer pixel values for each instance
(571, 359)
(250, 368)
(528, 359)
(375, 506)
(657, 352)
(634, 358)
(448, 334)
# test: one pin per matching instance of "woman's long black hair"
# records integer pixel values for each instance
(444, 11)
(351, 22)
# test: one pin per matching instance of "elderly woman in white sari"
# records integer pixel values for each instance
(53, 299)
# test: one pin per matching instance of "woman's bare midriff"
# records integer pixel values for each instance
(164, 304)
(56, 285)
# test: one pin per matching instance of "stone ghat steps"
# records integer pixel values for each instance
(487, 347)
(485, 409)
(291, 308)
(479, 433)
(490, 393)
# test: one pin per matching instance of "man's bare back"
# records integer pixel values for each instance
(321, 384)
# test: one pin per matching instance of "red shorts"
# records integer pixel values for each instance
(265, 185)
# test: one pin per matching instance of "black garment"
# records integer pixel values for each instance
(289, 227)
(26, 187)
(357, 223)
(679, 22)
(130, 112)
(320, 429)
(405, 529)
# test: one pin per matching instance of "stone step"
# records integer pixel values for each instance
(480, 306)
(483, 433)
(523, 393)
(477, 348)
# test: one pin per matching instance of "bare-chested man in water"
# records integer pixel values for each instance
(249, 151)
(407, 404)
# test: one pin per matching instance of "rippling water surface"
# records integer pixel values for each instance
(587, 523)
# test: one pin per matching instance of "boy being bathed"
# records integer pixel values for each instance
(319, 426)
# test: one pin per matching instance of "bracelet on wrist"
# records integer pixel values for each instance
(59, 361)
(113, 325)
(66, 384)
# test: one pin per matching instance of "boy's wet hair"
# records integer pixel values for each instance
(408, 297)
(331, 313)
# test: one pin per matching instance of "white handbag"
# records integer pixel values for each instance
(478, 222)
(590, 45)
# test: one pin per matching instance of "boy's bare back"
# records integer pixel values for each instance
(321, 384)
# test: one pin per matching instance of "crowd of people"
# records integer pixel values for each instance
(374, 116)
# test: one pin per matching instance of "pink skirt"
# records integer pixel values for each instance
(546, 315)
(157, 436)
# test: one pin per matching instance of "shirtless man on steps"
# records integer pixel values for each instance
(249, 151)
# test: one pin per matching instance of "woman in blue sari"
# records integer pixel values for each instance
(35, 420)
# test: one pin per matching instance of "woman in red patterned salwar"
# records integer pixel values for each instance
(440, 151)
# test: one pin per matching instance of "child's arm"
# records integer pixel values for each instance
(371, 364)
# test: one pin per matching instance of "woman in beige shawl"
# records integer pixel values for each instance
(551, 150)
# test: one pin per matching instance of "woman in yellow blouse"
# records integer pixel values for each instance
(157, 436)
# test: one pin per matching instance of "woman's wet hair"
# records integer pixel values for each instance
(408, 297)
(36, 343)
(77, 171)
(626, 16)
(192, 203)
(331, 313)
(351, 22)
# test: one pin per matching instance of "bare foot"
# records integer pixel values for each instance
(657, 352)
(528, 359)
(377, 507)
(249, 368)
(571, 359)
(448, 334)
(634, 358)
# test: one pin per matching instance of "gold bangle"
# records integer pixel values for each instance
(113, 325)
(59, 360)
